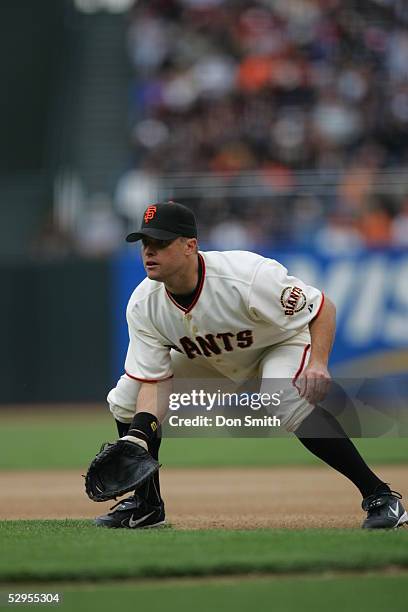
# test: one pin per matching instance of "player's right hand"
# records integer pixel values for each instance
(314, 383)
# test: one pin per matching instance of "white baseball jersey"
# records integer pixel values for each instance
(245, 304)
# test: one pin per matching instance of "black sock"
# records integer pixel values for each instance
(152, 494)
(144, 426)
(334, 447)
(123, 428)
(150, 491)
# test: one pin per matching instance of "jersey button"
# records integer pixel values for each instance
(195, 329)
(188, 317)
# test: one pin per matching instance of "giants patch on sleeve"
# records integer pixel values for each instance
(293, 300)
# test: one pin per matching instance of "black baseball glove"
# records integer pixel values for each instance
(118, 468)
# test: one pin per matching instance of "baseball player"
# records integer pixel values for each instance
(233, 316)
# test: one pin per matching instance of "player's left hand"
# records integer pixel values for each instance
(314, 383)
(117, 469)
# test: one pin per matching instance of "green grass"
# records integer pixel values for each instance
(70, 553)
(76, 550)
(101, 569)
(62, 443)
(354, 593)
(269, 452)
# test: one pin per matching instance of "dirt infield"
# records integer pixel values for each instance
(217, 498)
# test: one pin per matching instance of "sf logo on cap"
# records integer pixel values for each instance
(150, 213)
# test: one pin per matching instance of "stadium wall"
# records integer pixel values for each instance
(56, 339)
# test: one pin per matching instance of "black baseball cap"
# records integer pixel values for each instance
(165, 221)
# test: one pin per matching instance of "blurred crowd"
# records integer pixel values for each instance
(275, 88)
(233, 85)
(299, 107)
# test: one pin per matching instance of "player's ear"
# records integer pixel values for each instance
(191, 246)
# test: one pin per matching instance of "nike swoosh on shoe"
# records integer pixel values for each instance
(133, 523)
(395, 512)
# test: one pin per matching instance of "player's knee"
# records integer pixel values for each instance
(297, 417)
(121, 413)
(291, 413)
(122, 399)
